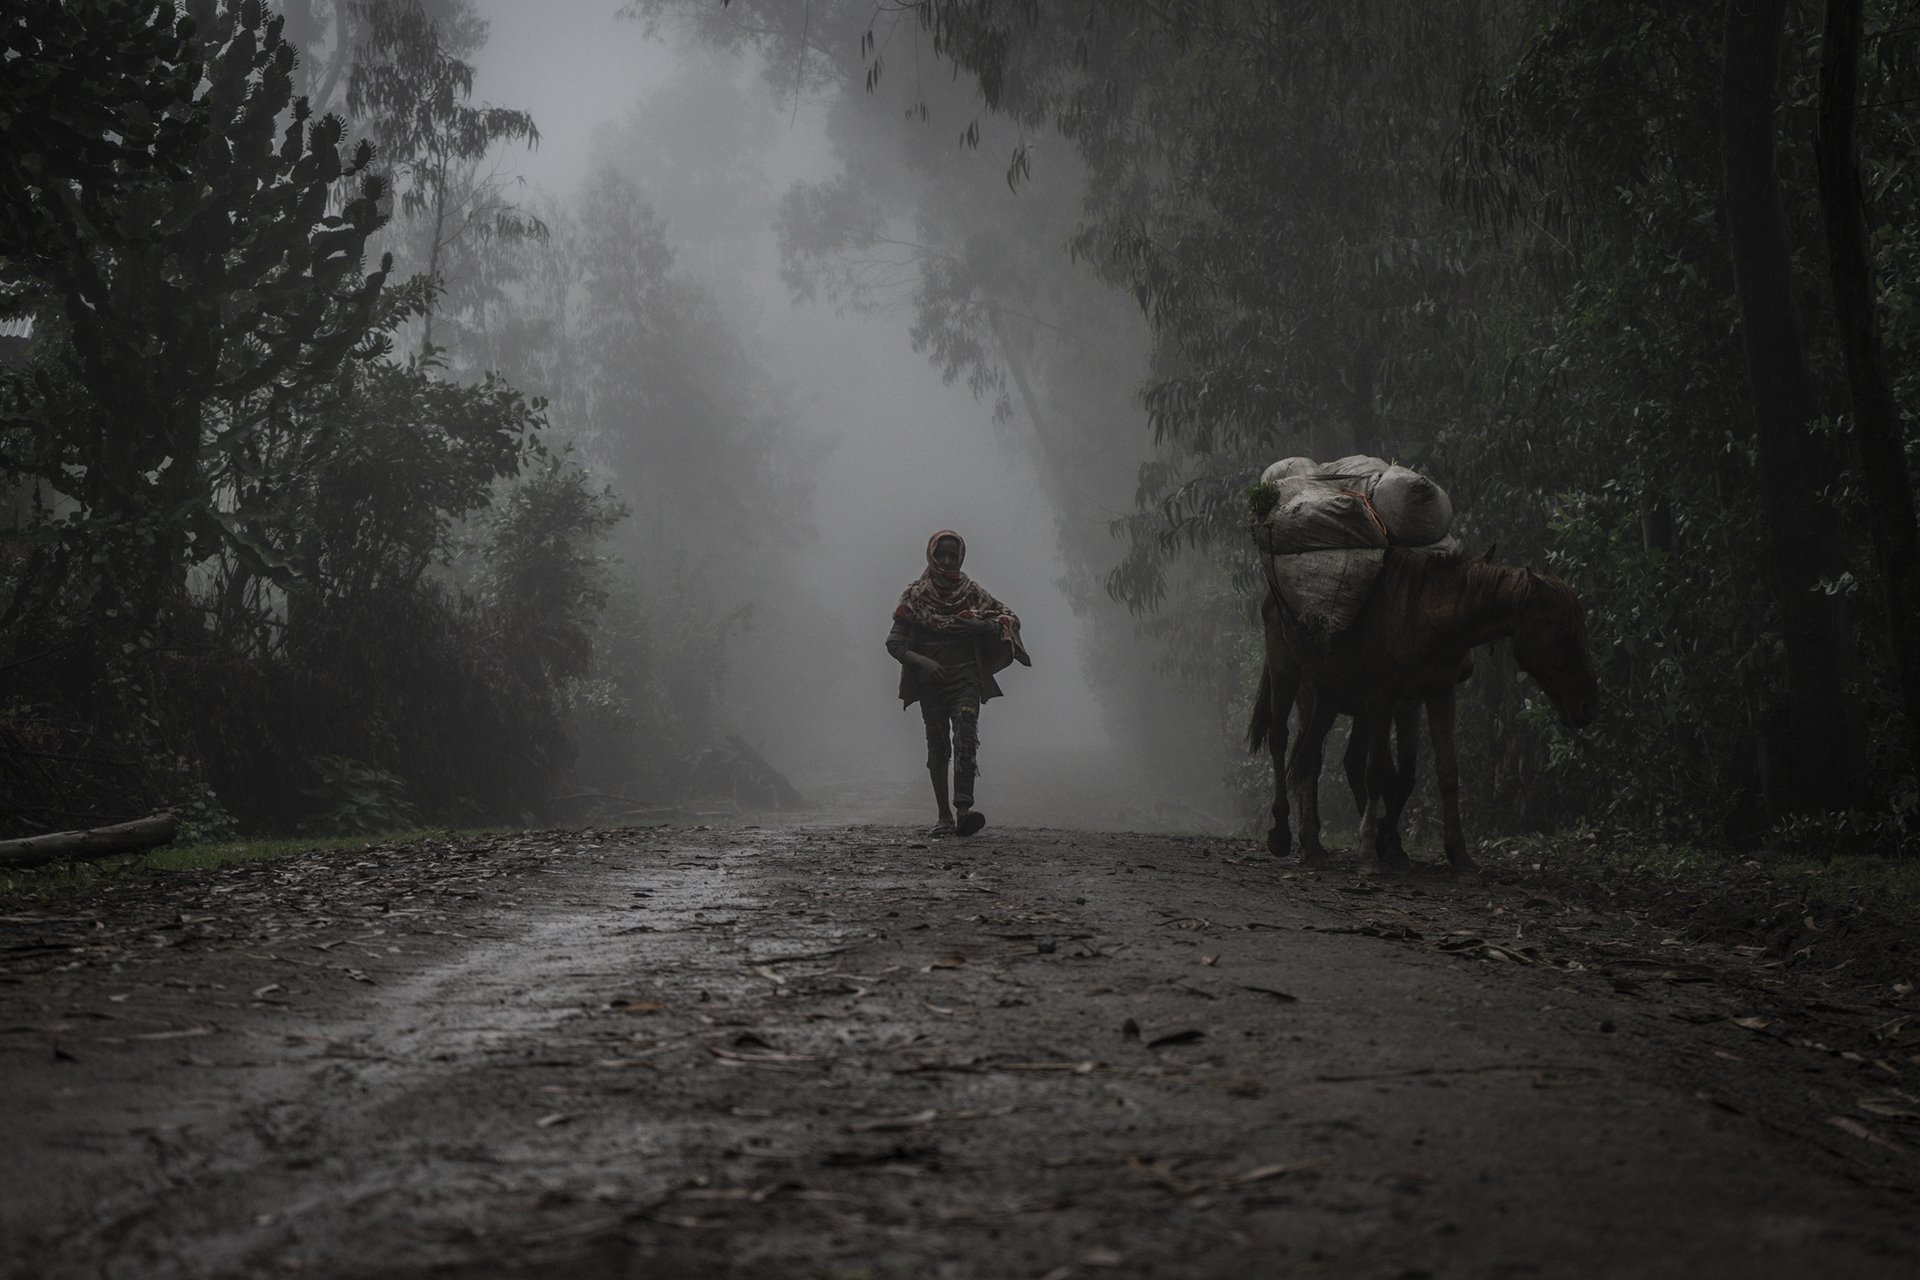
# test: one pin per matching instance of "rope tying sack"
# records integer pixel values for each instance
(1325, 532)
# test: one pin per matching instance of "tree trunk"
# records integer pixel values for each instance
(1010, 355)
(1876, 415)
(1825, 731)
(98, 842)
(433, 257)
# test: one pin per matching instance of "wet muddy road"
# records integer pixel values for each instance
(844, 1052)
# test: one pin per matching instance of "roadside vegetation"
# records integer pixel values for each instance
(1492, 241)
(323, 540)
(65, 879)
(306, 524)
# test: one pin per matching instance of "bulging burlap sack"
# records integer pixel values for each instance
(1360, 468)
(1315, 514)
(1415, 510)
(1288, 468)
(1326, 535)
(1325, 590)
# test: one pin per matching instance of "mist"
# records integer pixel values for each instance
(462, 468)
(892, 450)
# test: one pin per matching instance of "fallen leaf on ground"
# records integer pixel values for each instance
(182, 1034)
(1848, 1125)
(1267, 1171)
(890, 1124)
(771, 1059)
(1187, 1036)
(1281, 996)
(1895, 1106)
(1077, 1068)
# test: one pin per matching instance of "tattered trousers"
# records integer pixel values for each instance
(952, 717)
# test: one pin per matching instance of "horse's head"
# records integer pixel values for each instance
(1550, 644)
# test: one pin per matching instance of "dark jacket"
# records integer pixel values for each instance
(979, 644)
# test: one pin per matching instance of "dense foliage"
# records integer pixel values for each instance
(1487, 239)
(254, 568)
(253, 561)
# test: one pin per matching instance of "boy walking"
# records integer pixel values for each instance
(950, 636)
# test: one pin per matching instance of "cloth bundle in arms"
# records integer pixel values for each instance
(1324, 529)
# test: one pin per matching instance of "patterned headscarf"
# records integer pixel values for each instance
(943, 599)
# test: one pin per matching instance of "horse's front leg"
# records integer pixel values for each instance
(1446, 768)
(1303, 769)
(1283, 686)
(1406, 724)
(1354, 761)
(1376, 822)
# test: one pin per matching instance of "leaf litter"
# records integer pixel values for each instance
(895, 1079)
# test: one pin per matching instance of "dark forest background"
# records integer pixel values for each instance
(290, 540)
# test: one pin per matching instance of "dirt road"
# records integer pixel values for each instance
(847, 1052)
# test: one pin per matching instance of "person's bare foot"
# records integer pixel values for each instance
(944, 827)
(971, 820)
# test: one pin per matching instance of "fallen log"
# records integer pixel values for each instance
(95, 842)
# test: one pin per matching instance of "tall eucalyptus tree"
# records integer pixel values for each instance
(411, 88)
(1885, 475)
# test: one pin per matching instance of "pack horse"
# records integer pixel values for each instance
(1371, 630)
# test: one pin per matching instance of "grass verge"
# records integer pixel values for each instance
(1888, 887)
(61, 878)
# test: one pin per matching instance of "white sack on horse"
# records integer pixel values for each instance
(1415, 510)
(1324, 590)
(1326, 531)
(1357, 467)
(1288, 468)
(1316, 514)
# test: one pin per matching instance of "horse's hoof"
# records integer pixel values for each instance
(1393, 862)
(1314, 857)
(1463, 866)
(1279, 842)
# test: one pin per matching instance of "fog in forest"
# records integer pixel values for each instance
(889, 452)
(582, 381)
(467, 475)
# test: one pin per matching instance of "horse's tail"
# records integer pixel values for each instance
(1262, 721)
